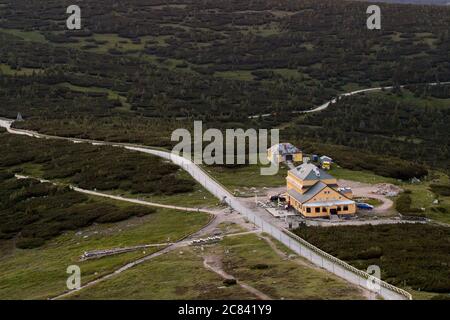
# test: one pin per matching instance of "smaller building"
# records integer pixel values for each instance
(325, 162)
(284, 152)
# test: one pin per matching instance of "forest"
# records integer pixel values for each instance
(140, 69)
(231, 58)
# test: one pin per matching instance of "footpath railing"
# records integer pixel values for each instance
(289, 239)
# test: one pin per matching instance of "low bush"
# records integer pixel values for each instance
(229, 282)
(410, 255)
(354, 159)
(37, 211)
(371, 253)
(95, 167)
(439, 209)
(440, 189)
(403, 205)
(29, 243)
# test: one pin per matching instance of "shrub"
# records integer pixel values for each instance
(6, 175)
(439, 209)
(114, 217)
(42, 211)
(412, 255)
(260, 266)
(403, 205)
(440, 189)
(229, 282)
(29, 243)
(371, 253)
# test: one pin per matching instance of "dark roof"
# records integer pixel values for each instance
(308, 195)
(284, 148)
(308, 171)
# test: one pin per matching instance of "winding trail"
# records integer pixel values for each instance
(334, 100)
(202, 177)
(120, 198)
(390, 292)
(214, 264)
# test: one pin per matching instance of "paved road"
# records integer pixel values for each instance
(334, 100)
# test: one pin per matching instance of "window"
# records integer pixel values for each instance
(339, 208)
(308, 210)
(345, 208)
(318, 210)
(324, 209)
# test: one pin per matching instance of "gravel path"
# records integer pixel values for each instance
(214, 263)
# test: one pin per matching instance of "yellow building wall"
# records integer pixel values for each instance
(293, 182)
(298, 157)
(326, 194)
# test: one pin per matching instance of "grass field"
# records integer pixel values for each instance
(283, 279)
(181, 275)
(199, 197)
(408, 97)
(244, 75)
(177, 275)
(423, 197)
(112, 95)
(33, 36)
(361, 176)
(41, 273)
(7, 70)
(247, 176)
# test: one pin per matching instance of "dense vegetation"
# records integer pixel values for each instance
(360, 159)
(409, 255)
(403, 204)
(412, 125)
(421, 2)
(33, 212)
(441, 189)
(93, 167)
(139, 69)
(231, 58)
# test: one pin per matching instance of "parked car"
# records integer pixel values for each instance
(274, 198)
(364, 206)
(278, 198)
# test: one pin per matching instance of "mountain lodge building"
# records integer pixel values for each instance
(314, 193)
